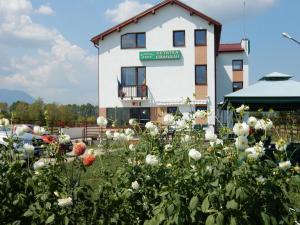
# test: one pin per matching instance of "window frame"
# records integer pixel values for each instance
(174, 31)
(200, 106)
(238, 60)
(136, 41)
(240, 82)
(196, 74)
(195, 39)
(136, 75)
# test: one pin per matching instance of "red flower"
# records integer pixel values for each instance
(88, 160)
(79, 148)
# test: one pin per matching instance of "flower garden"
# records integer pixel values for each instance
(237, 176)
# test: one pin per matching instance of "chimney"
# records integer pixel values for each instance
(245, 43)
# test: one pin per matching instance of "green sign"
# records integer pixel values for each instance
(161, 55)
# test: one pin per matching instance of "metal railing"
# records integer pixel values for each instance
(140, 91)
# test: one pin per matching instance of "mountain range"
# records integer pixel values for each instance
(11, 96)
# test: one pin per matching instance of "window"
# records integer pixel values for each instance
(201, 107)
(237, 86)
(200, 37)
(201, 74)
(179, 38)
(133, 40)
(172, 110)
(119, 116)
(142, 115)
(133, 76)
(237, 65)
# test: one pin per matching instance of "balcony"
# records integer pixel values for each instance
(133, 92)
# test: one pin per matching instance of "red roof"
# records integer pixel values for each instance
(235, 47)
(152, 10)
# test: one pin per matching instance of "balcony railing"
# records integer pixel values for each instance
(131, 92)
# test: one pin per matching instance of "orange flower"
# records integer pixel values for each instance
(88, 160)
(79, 148)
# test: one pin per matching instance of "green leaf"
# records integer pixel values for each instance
(233, 221)
(232, 204)
(241, 194)
(66, 220)
(210, 220)
(265, 218)
(220, 219)
(205, 205)
(193, 203)
(50, 219)
(215, 183)
(28, 213)
(170, 210)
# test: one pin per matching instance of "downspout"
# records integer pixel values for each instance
(98, 94)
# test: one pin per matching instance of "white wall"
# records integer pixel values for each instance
(224, 73)
(166, 79)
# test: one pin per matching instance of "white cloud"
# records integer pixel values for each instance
(41, 61)
(125, 10)
(222, 10)
(45, 10)
(229, 10)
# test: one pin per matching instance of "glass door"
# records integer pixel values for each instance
(142, 115)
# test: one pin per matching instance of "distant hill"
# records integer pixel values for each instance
(11, 96)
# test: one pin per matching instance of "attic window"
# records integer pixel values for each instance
(133, 40)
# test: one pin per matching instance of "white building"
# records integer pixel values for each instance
(149, 64)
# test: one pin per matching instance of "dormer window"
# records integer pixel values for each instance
(133, 40)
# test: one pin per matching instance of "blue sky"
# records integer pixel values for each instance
(45, 47)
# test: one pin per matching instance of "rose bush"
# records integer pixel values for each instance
(191, 177)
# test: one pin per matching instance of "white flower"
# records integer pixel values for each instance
(281, 145)
(241, 129)
(65, 202)
(56, 193)
(194, 154)
(28, 150)
(20, 130)
(101, 121)
(4, 122)
(39, 130)
(135, 185)
(260, 125)
(123, 137)
(169, 165)
(150, 126)
(260, 179)
(129, 132)
(255, 151)
(241, 142)
(116, 136)
(131, 147)
(109, 134)
(186, 138)
(181, 124)
(269, 124)
(132, 122)
(201, 114)
(242, 108)
(217, 142)
(210, 136)
(168, 119)
(285, 165)
(154, 131)
(152, 160)
(252, 121)
(38, 165)
(64, 138)
(168, 147)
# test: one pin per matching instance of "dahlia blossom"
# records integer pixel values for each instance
(4, 122)
(285, 165)
(64, 138)
(168, 119)
(101, 121)
(152, 160)
(210, 136)
(109, 134)
(194, 154)
(39, 130)
(135, 185)
(65, 202)
(89, 159)
(241, 142)
(241, 129)
(281, 145)
(79, 148)
(168, 147)
(201, 114)
(132, 122)
(252, 121)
